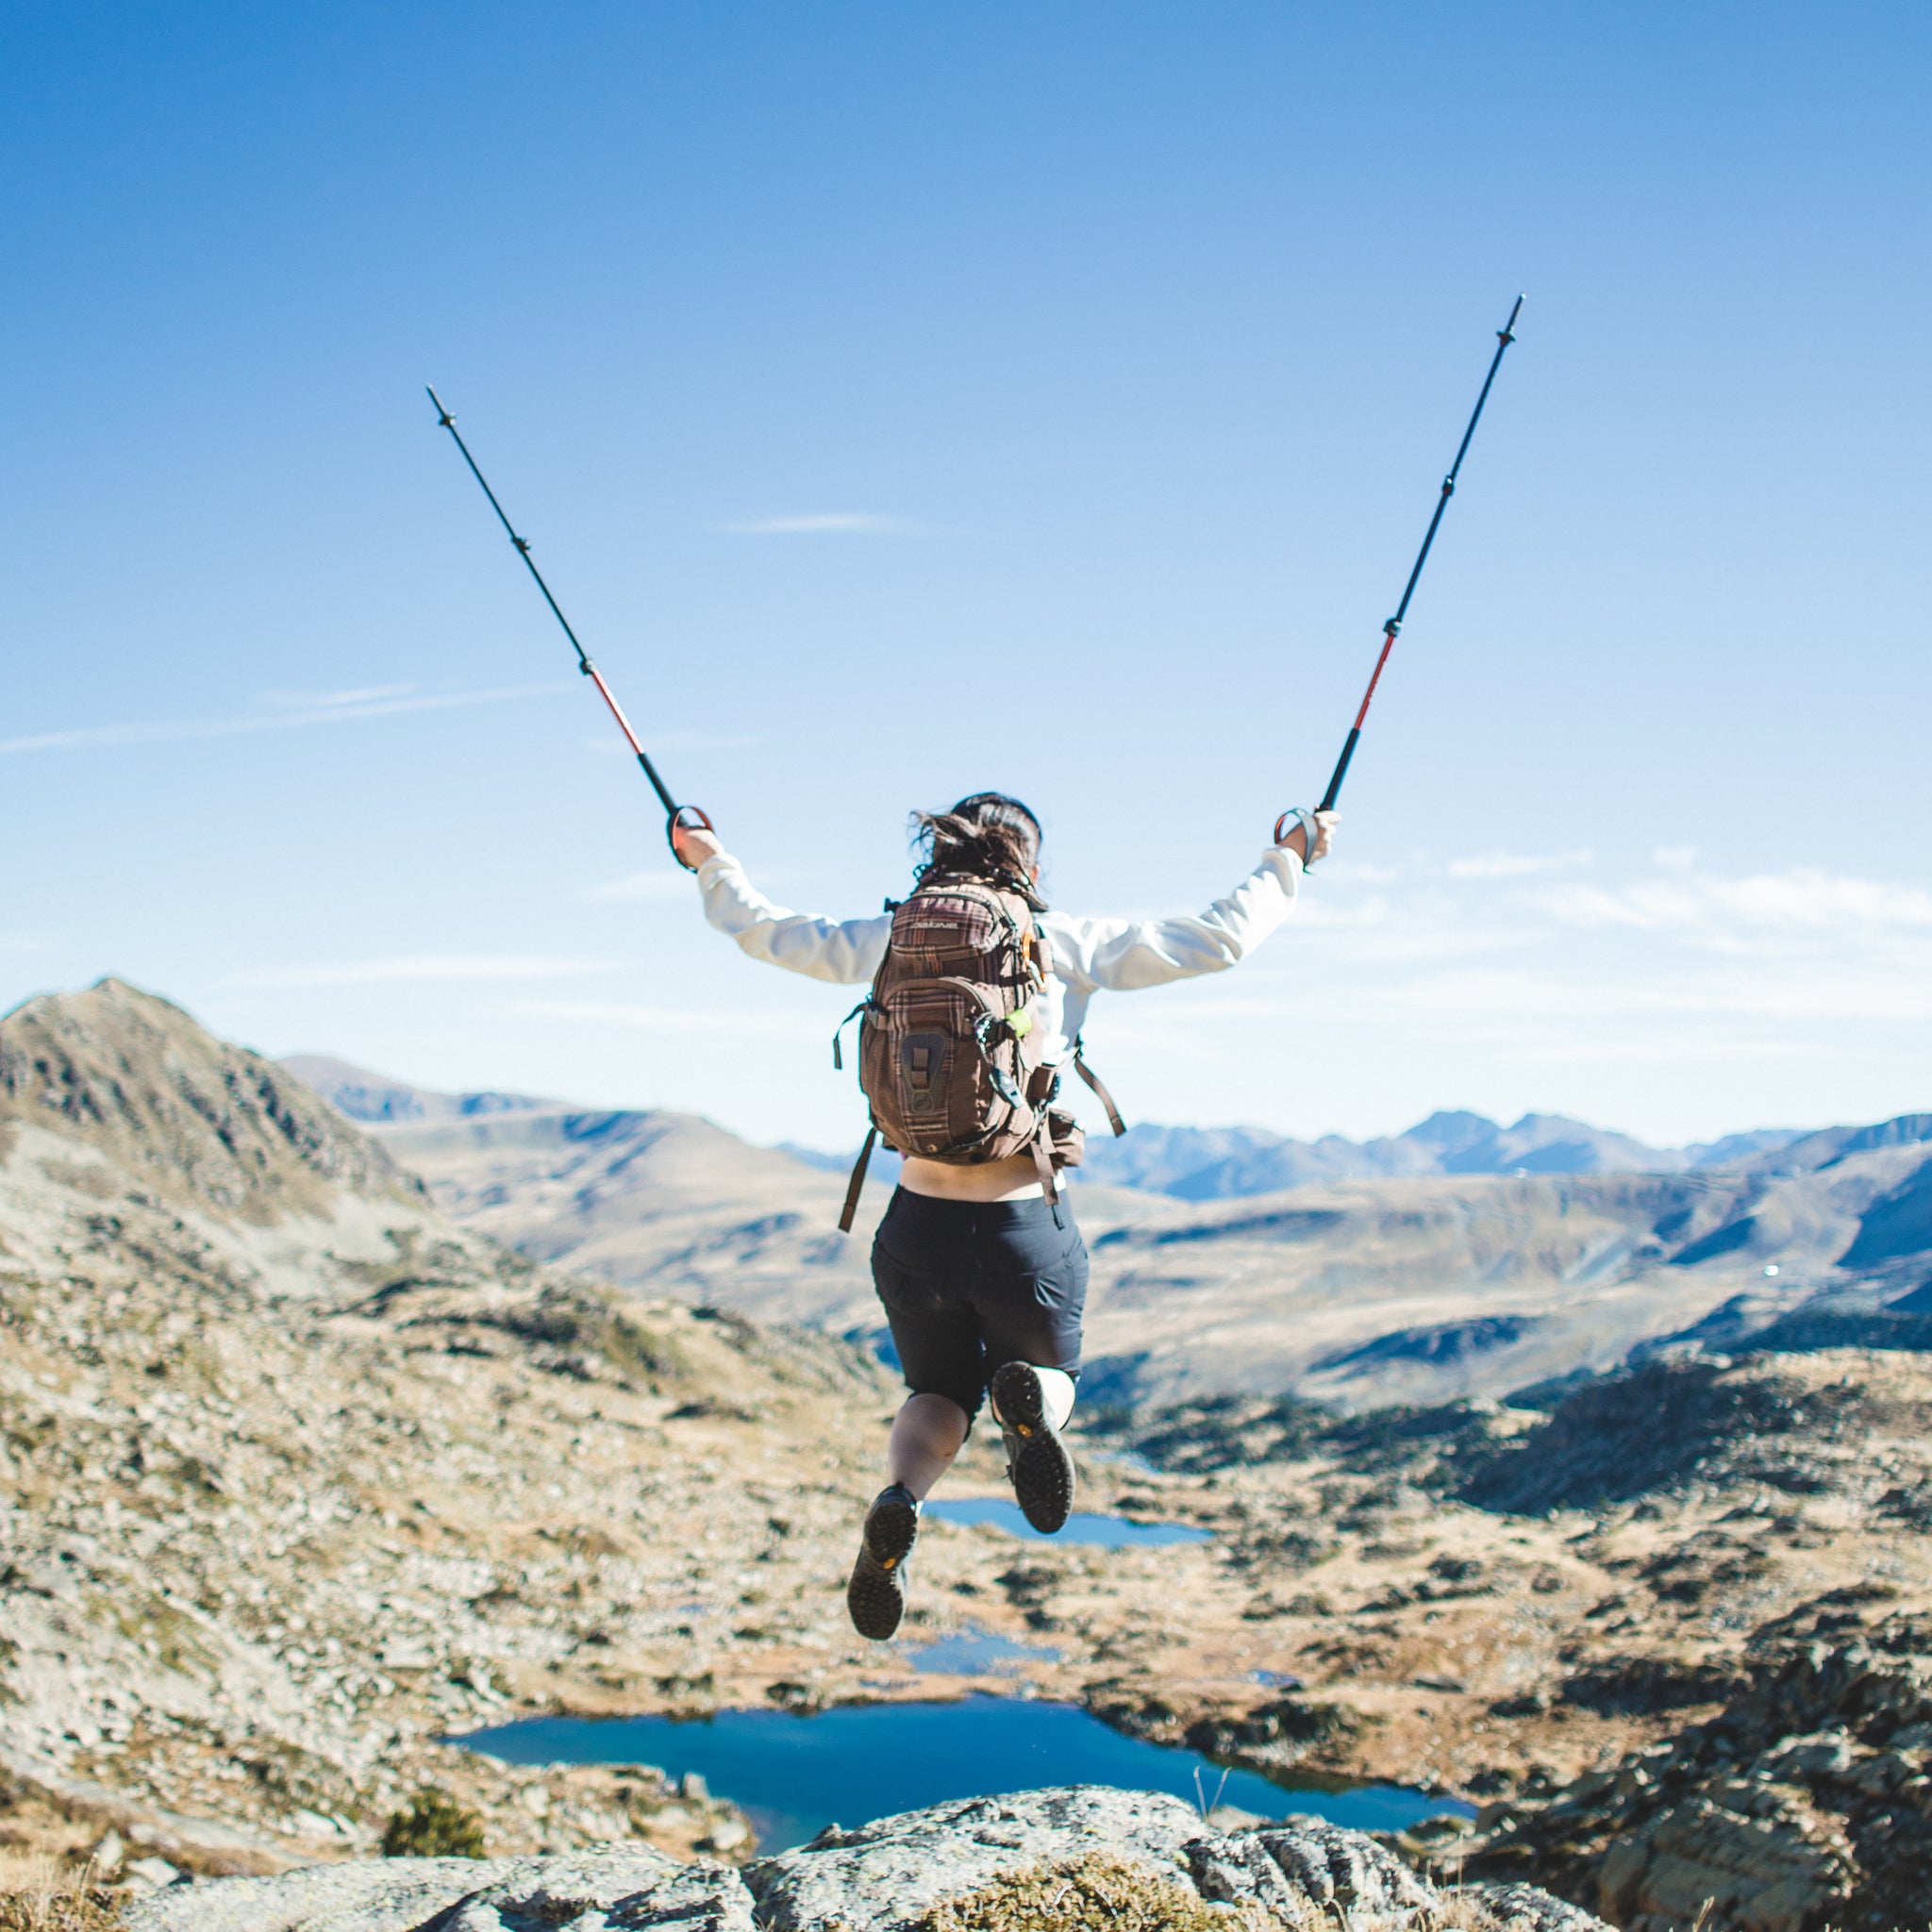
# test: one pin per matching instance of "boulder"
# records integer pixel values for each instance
(884, 1877)
(1281, 1866)
(894, 1870)
(1527, 1908)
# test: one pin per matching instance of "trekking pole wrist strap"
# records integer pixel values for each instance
(689, 818)
(1296, 815)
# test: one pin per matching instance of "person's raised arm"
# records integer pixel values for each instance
(1122, 954)
(846, 952)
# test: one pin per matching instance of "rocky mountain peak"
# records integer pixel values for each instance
(136, 1079)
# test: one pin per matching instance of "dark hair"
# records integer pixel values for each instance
(988, 837)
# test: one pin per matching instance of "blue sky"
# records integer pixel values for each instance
(908, 398)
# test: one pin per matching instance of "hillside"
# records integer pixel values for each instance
(1419, 1288)
(367, 1097)
(295, 1475)
(1675, 1632)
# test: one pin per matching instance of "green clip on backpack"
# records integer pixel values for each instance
(951, 1057)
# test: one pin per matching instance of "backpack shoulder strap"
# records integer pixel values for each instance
(1099, 1087)
(855, 1187)
(1039, 1147)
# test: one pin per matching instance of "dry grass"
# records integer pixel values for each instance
(42, 1893)
(1089, 1895)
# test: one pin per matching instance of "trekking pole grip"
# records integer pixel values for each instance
(690, 818)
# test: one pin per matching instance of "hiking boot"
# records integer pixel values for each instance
(876, 1594)
(1036, 1460)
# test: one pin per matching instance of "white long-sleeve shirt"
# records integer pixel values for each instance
(1119, 955)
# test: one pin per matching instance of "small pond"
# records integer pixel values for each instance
(976, 1653)
(795, 1774)
(1108, 1532)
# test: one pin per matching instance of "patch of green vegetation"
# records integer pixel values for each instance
(643, 1353)
(433, 1826)
(1088, 1895)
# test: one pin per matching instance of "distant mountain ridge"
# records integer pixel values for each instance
(1189, 1164)
(374, 1098)
(1222, 1164)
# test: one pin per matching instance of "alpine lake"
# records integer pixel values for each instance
(795, 1772)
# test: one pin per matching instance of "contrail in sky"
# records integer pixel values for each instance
(381, 702)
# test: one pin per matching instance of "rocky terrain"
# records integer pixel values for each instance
(1074, 1858)
(1675, 1632)
(297, 1477)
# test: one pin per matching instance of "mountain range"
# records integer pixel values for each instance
(1190, 1163)
(1216, 1163)
(1468, 1272)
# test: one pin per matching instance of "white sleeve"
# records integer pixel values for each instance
(846, 953)
(1122, 954)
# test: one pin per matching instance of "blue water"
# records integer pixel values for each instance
(795, 1774)
(1108, 1532)
(973, 1651)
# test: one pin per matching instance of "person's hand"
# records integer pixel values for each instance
(1297, 840)
(694, 844)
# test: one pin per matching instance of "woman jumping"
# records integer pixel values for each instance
(981, 1270)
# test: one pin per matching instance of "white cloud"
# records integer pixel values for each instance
(838, 523)
(1522, 959)
(333, 700)
(423, 967)
(381, 702)
(1513, 865)
(1700, 903)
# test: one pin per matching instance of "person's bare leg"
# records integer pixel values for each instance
(927, 1433)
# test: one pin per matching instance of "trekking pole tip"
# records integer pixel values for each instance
(443, 418)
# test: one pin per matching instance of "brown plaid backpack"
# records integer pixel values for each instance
(951, 1057)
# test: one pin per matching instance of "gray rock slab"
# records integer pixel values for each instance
(886, 1874)
(363, 1895)
(624, 1890)
(606, 1892)
(1305, 1860)
(1527, 1908)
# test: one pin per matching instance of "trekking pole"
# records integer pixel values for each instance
(1505, 336)
(676, 814)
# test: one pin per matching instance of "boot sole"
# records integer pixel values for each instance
(875, 1596)
(1043, 1471)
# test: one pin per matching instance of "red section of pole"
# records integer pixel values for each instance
(596, 677)
(1369, 695)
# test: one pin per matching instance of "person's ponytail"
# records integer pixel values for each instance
(988, 836)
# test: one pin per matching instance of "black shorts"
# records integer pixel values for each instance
(970, 1285)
